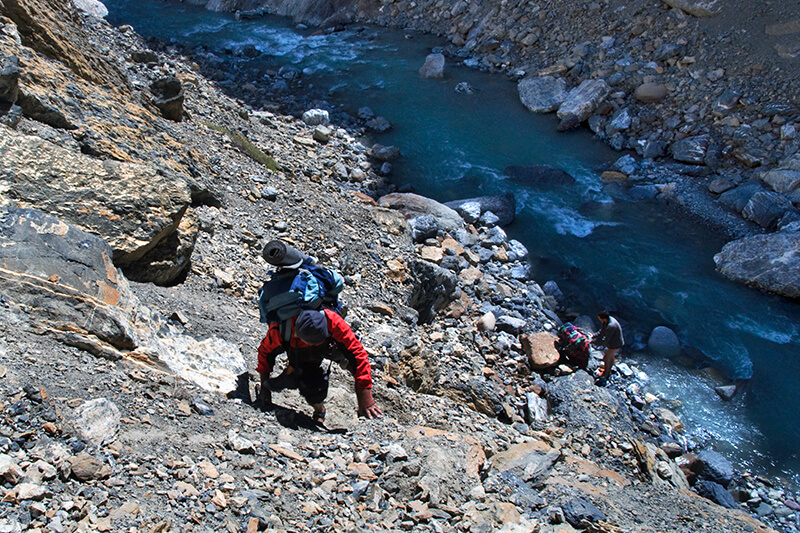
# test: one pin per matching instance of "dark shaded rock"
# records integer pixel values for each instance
(589, 408)
(716, 468)
(725, 102)
(569, 122)
(543, 94)
(692, 149)
(423, 227)
(433, 289)
(778, 108)
(144, 56)
(541, 175)
(385, 153)
(9, 79)
(766, 208)
(64, 277)
(716, 493)
(168, 97)
(664, 342)
(769, 262)
(577, 510)
(36, 109)
(522, 494)
(737, 198)
(503, 206)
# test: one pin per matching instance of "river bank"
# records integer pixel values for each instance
(230, 197)
(717, 94)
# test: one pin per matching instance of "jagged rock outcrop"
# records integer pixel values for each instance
(64, 277)
(770, 262)
(53, 28)
(133, 207)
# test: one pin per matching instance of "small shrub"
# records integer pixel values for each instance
(252, 151)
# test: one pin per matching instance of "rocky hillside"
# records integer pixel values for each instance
(135, 200)
(706, 94)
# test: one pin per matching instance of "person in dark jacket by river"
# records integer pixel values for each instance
(316, 335)
(610, 336)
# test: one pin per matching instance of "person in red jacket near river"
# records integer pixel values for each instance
(316, 336)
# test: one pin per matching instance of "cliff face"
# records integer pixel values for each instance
(141, 437)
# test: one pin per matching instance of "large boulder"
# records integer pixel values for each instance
(582, 101)
(133, 207)
(542, 95)
(770, 262)
(433, 67)
(64, 278)
(503, 206)
(664, 342)
(412, 205)
(766, 208)
(715, 467)
(594, 410)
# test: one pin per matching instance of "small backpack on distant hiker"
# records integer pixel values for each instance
(297, 285)
(573, 344)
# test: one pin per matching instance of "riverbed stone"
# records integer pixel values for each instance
(770, 262)
(650, 93)
(664, 342)
(433, 67)
(543, 94)
(503, 206)
(584, 99)
(715, 467)
(766, 208)
(412, 205)
(692, 149)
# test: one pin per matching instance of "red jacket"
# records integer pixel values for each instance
(340, 334)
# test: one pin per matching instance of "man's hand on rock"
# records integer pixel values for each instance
(366, 404)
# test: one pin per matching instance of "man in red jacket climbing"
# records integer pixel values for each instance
(315, 336)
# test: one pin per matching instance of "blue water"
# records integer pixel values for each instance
(649, 266)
